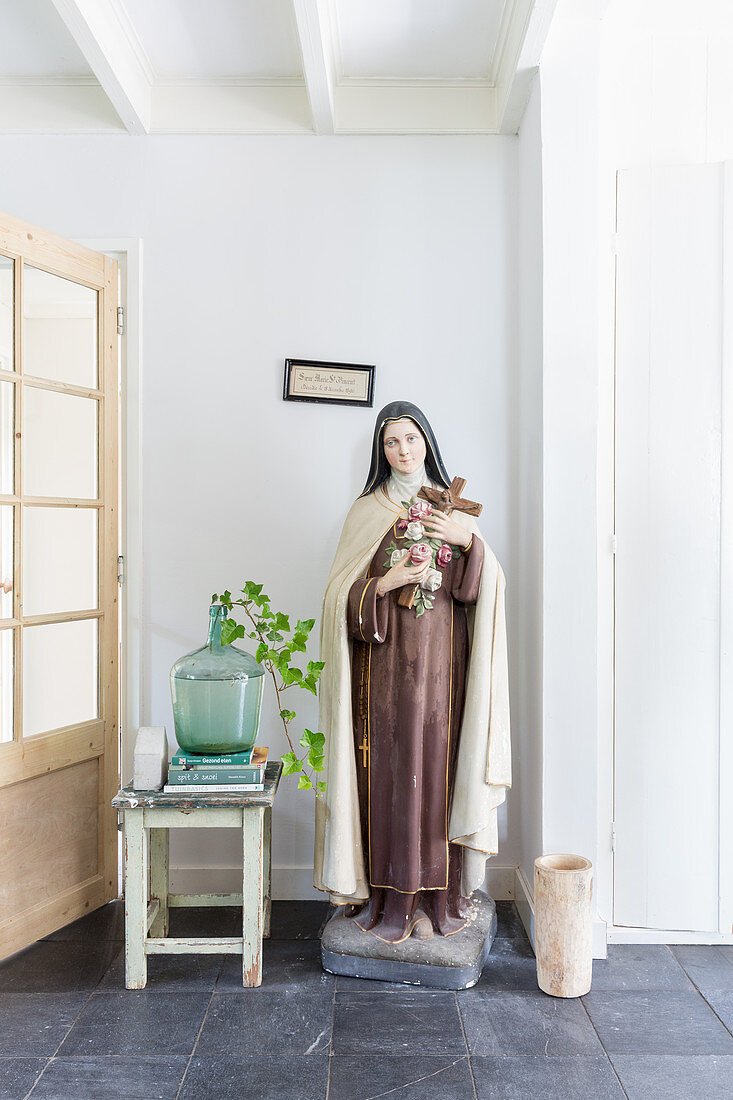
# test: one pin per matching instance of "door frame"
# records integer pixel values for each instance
(128, 251)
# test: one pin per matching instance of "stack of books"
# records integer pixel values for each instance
(240, 771)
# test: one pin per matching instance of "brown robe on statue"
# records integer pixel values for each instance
(408, 684)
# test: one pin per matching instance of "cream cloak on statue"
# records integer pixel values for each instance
(483, 769)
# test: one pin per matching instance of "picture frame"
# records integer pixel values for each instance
(325, 383)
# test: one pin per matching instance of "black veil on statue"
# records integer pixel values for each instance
(380, 469)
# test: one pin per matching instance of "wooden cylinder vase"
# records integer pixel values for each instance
(563, 894)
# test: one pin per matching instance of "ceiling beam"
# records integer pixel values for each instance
(319, 71)
(103, 33)
(521, 39)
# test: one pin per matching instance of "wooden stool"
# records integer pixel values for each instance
(146, 920)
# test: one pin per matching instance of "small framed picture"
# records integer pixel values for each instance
(330, 383)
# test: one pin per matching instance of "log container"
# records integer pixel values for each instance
(563, 893)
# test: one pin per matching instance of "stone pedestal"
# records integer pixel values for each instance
(443, 962)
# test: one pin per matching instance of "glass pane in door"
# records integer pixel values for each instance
(7, 684)
(7, 436)
(7, 570)
(59, 560)
(59, 329)
(59, 445)
(60, 675)
(6, 313)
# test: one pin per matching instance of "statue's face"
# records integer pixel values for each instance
(404, 446)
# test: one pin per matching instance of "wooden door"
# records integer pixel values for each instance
(669, 422)
(58, 582)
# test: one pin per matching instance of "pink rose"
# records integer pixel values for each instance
(419, 553)
(443, 556)
(419, 510)
(401, 524)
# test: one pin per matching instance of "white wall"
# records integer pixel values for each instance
(525, 804)
(393, 251)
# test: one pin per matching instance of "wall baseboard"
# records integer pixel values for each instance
(296, 883)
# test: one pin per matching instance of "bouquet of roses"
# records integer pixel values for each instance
(421, 548)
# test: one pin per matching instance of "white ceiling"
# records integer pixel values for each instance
(268, 66)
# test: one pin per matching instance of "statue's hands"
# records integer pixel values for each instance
(440, 526)
(401, 574)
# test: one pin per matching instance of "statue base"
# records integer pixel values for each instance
(442, 962)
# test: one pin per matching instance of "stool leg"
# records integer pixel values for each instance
(252, 837)
(136, 900)
(159, 844)
(267, 872)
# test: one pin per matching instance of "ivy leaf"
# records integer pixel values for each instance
(282, 622)
(261, 652)
(274, 636)
(291, 676)
(285, 655)
(304, 783)
(316, 667)
(288, 715)
(305, 626)
(321, 786)
(316, 761)
(231, 630)
(311, 740)
(291, 764)
(298, 642)
(309, 684)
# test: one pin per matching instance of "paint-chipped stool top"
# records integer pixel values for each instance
(146, 920)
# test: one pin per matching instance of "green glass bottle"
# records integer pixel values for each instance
(217, 695)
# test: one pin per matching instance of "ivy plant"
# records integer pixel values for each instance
(277, 642)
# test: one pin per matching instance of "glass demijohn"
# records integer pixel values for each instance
(217, 695)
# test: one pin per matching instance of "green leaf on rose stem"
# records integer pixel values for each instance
(288, 715)
(407, 503)
(298, 642)
(304, 783)
(291, 764)
(261, 652)
(321, 786)
(304, 626)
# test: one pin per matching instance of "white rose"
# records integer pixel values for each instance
(397, 556)
(433, 580)
(415, 531)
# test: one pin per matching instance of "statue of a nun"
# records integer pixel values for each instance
(414, 700)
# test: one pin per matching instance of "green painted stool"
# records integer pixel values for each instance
(146, 919)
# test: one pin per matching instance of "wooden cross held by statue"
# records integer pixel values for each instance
(446, 501)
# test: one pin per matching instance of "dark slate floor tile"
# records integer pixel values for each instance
(298, 920)
(526, 1023)
(135, 1020)
(676, 1077)
(511, 968)
(105, 923)
(509, 923)
(111, 1079)
(709, 966)
(33, 1024)
(656, 1023)
(53, 967)
(276, 1077)
(558, 1078)
(205, 920)
(17, 1076)
(401, 1023)
(269, 1023)
(722, 1002)
(171, 972)
(287, 965)
(650, 967)
(411, 1078)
